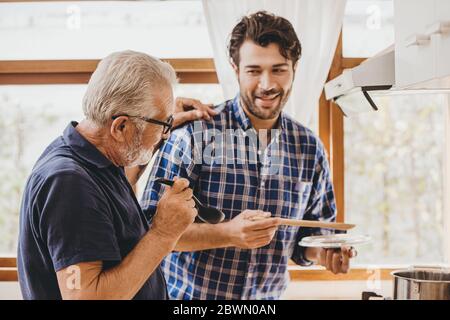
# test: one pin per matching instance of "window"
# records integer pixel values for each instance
(92, 30)
(207, 93)
(32, 116)
(394, 178)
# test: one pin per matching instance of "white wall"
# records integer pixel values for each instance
(10, 291)
(335, 290)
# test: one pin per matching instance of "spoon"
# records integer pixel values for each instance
(205, 214)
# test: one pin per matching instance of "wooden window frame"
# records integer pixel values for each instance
(331, 129)
(20, 72)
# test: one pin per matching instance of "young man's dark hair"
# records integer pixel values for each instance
(264, 28)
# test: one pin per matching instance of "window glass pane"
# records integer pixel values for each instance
(368, 27)
(93, 29)
(394, 169)
(206, 93)
(34, 115)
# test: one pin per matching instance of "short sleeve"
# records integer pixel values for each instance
(75, 221)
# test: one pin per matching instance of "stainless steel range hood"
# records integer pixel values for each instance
(352, 89)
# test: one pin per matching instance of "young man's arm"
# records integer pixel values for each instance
(177, 158)
(322, 206)
(239, 232)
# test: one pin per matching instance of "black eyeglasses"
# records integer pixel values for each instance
(167, 125)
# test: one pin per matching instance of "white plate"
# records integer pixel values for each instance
(334, 240)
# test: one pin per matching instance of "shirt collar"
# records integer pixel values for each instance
(83, 148)
(239, 113)
(243, 119)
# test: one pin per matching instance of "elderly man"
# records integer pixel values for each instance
(246, 256)
(82, 232)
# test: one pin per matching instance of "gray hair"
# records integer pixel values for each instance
(126, 82)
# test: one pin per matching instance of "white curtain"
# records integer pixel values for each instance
(317, 23)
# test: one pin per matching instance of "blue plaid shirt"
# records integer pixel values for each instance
(298, 188)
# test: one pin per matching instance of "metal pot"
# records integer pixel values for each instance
(422, 284)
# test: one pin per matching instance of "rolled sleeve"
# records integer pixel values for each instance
(321, 206)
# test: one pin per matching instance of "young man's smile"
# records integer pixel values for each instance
(265, 80)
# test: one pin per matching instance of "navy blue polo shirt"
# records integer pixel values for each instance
(77, 207)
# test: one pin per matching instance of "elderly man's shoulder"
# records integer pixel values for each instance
(56, 162)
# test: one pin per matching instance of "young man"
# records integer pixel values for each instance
(246, 256)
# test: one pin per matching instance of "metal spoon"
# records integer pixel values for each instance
(205, 214)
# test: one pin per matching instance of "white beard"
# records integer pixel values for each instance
(137, 154)
(142, 158)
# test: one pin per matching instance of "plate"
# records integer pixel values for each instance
(334, 240)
